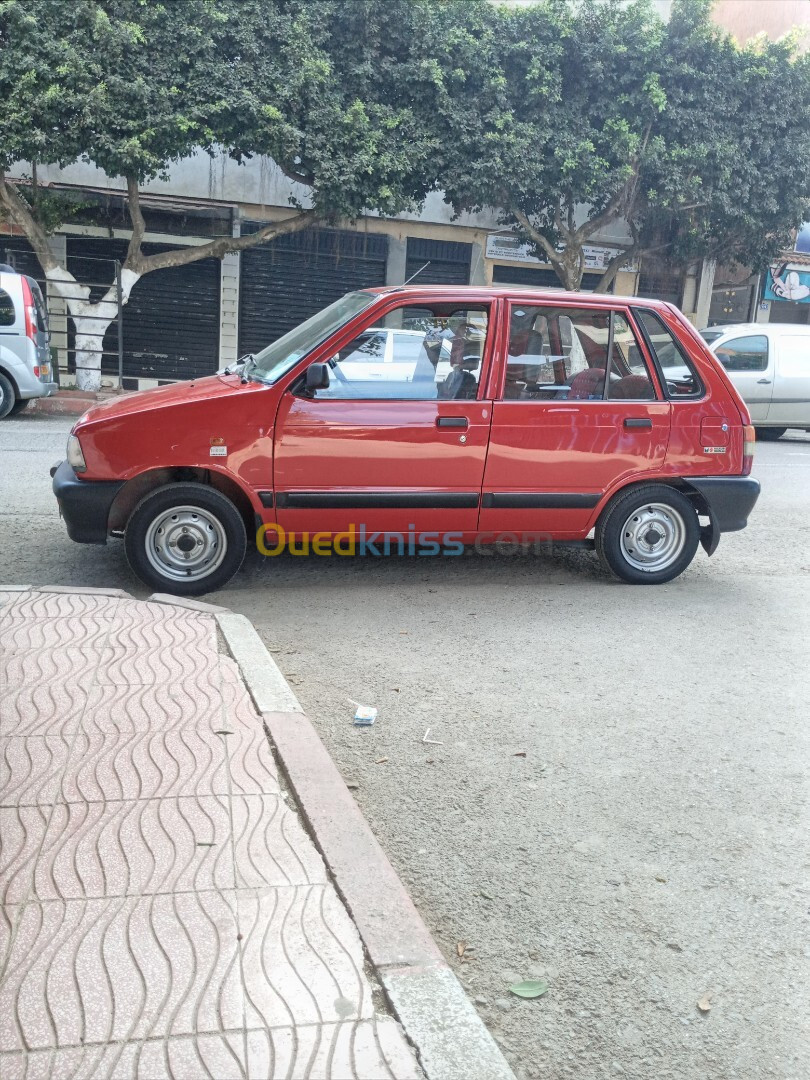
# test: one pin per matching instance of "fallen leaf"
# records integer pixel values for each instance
(663, 880)
(486, 896)
(429, 761)
(395, 689)
(381, 761)
(460, 947)
(531, 988)
(520, 753)
(403, 631)
(352, 786)
(705, 1004)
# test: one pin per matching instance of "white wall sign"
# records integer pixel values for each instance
(511, 249)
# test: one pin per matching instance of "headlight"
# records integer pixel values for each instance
(74, 454)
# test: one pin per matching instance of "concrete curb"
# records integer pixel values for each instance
(447, 1033)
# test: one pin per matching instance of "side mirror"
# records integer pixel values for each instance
(317, 377)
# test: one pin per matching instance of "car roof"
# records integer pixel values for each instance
(758, 328)
(489, 292)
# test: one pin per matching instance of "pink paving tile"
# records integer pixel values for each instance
(250, 759)
(84, 631)
(140, 635)
(31, 769)
(367, 1049)
(22, 830)
(187, 760)
(70, 665)
(47, 708)
(94, 971)
(36, 605)
(153, 665)
(271, 847)
(302, 959)
(135, 848)
(121, 708)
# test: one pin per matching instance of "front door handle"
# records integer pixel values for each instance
(452, 421)
(638, 422)
(763, 382)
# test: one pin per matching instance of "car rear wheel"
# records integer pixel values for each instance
(185, 539)
(770, 434)
(7, 397)
(648, 535)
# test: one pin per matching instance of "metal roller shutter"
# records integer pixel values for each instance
(171, 323)
(448, 262)
(284, 282)
(540, 278)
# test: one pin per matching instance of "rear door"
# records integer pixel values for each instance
(749, 361)
(562, 432)
(790, 404)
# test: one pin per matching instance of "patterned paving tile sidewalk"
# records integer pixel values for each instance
(162, 911)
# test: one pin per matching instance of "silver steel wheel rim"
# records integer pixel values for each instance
(653, 537)
(186, 543)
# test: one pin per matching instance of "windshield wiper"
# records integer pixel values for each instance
(232, 369)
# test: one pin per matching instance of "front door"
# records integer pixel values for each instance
(579, 411)
(750, 365)
(398, 440)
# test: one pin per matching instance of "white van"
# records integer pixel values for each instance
(25, 359)
(769, 363)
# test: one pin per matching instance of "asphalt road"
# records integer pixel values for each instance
(617, 802)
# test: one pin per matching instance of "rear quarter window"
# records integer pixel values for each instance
(678, 374)
(7, 314)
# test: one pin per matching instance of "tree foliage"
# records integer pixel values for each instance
(577, 117)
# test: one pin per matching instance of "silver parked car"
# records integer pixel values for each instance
(769, 364)
(25, 359)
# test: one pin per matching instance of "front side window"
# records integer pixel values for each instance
(273, 362)
(748, 353)
(7, 316)
(679, 375)
(423, 354)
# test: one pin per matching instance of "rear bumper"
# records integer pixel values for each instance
(84, 504)
(730, 499)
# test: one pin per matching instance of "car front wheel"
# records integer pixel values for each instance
(648, 535)
(185, 539)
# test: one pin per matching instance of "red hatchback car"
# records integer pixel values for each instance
(444, 415)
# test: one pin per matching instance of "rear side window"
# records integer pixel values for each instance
(679, 376)
(748, 353)
(794, 356)
(7, 314)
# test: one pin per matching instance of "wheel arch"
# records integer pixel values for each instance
(138, 486)
(709, 532)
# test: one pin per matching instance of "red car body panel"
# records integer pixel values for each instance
(272, 443)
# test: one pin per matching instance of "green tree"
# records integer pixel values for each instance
(573, 118)
(134, 87)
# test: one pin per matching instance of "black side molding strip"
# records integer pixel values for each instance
(536, 500)
(266, 498)
(373, 500)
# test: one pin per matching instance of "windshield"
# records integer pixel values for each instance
(276, 360)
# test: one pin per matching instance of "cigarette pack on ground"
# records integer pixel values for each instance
(365, 716)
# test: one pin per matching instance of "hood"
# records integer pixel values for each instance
(161, 397)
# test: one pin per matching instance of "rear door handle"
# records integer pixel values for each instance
(638, 422)
(452, 421)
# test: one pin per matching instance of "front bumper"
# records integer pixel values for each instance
(84, 504)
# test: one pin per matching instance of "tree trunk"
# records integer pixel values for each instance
(90, 320)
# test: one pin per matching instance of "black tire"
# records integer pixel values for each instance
(192, 514)
(626, 523)
(19, 406)
(7, 396)
(770, 434)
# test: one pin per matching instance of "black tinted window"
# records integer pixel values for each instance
(7, 317)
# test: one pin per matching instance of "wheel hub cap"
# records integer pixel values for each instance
(186, 543)
(653, 537)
